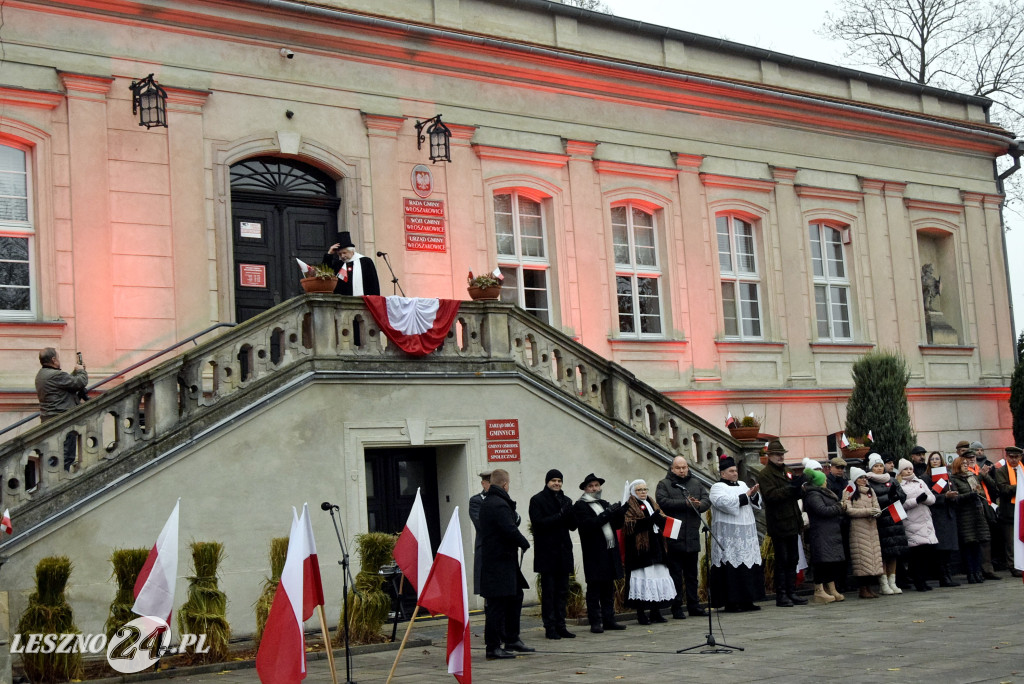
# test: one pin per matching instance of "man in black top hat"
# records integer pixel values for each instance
(551, 519)
(356, 273)
(602, 562)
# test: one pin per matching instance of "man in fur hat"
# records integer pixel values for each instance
(602, 561)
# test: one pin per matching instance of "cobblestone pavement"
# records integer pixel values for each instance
(974, 633)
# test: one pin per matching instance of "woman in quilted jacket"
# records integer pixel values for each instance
(861, 505)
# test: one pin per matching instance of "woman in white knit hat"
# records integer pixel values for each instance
(891, 535)
(861, 505)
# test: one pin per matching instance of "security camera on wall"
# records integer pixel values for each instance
(287, 54)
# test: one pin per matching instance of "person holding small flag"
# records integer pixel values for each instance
(891, 535)
(919, 527)
(943, 516)
(825, 536)
(551, 519)
(971, 523)
(650, 586)
(861, 506)
(783, 521)
(683, 497)
(1006, 484)
(736, 575)
(602, 562)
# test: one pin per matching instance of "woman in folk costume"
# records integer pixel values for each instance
(356, 273)
(650, 585)
(737, 578)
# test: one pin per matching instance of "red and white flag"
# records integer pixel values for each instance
(843, 442)
(870, 436)
(730, 421)
(154, 589)
(5, 522)
(939, 474)
(444, 591)
(281, 658)
(1018, 522)
(498, 274)
(412, 550)
(671, 528)
(304, 267)
(417, 325)
(897, 511)
(940, 484)
(850, 489)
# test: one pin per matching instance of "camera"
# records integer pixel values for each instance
(286, 53)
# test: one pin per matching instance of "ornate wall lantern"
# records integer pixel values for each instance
(149, 101)
(439, 134)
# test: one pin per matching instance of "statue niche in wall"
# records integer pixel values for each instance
(938, 330)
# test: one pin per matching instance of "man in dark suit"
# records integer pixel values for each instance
(501, 581)
(682, 496)
(551, 519)
(356, 273)
(475, 502)
(602, 562)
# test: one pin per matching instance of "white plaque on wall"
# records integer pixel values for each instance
(251, 229)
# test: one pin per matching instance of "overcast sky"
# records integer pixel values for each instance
(789, 27)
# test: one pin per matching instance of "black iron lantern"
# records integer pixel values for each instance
(439, 134)
(149, 101)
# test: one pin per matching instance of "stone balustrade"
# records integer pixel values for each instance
(161, 408)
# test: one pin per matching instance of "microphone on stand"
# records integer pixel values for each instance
(381, 254)
(326, 506)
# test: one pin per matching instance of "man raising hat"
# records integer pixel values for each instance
(782, 492)
(602, 562)
(356, 273)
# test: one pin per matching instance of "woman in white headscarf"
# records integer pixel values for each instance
(650, 585)
(737, 578)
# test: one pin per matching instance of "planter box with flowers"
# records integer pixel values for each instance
(483, 286)
(746, 429)
(320, 278)
(859, 447)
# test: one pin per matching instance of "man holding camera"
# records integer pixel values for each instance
(58, 392)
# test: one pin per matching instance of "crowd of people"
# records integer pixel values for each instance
(898, 524)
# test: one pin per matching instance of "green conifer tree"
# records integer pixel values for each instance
(878, 403)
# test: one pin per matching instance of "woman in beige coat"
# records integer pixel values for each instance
(861, 505)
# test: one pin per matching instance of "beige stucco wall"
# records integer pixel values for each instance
(238, 486)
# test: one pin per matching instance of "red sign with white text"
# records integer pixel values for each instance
(423, 207)
(503, 451)
(252, 275)
(424, 224)
(424, 243)
(503, 430)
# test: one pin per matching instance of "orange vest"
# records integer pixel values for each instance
(977, 471)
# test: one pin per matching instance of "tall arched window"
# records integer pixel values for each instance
(741, 280)
(520, 233)
(831, 283)
(17, 236)
(637, 274)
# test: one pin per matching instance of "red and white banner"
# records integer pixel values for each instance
(281, 658)
(412, 550)
(5, 522)
(445, 592)
(1018, 522)
(897, 512)
(154, 589)
(671, 528)
(418, 326)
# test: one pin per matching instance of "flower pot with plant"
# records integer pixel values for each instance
(485, 286)
(746, 429)
(859, 447)
(319, 278)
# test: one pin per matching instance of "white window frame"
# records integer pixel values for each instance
(23, 229)
(830, 283)
(738, 278)
(636, 272)
(520, 263)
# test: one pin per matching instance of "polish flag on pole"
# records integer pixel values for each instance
(304, 267)
(498, 274)
(870, 436)
(850, 489)
(5, 522)
(730, 421)
(940, 484)
(671, 528)
(1018, 522)
(939, 474)
(412, 550)
(444, 591)
(897, 512)
(843, 442)
(281, 658)
(154, 589)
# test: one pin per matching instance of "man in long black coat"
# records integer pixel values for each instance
(501, 581)
(475, 502)
(551, 519)
(602, 561)
(357, 274)
(675, 494)
(783, 520)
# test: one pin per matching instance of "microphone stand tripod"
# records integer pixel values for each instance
(346, 574)
(709, 644)
(394, 278)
